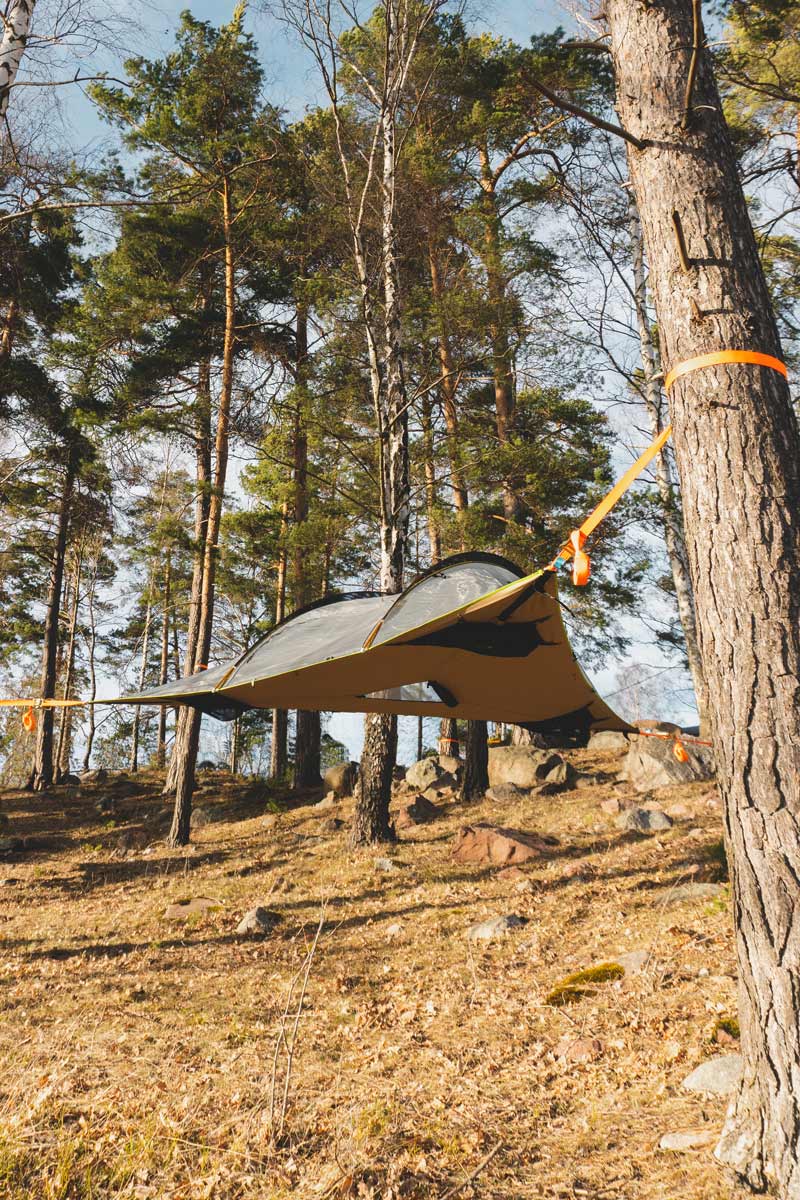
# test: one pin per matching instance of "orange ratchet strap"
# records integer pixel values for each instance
(725, 356)
(573, 549)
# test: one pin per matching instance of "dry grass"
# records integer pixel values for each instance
(136, 1054)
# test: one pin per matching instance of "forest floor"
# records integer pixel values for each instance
(138, 1054)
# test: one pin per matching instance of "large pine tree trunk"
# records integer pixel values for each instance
(163, 671)
(278, 751)
(64, 750)
(371, 820)
(670, 502)
(43, 759)
(92, 664)
(738, 455)
(307, 741)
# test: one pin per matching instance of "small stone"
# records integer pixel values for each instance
(525, 885)
(258, 921)
(611, 806)
(634, 962)
(394, 930)
(483, 843)
(106, 807)
(578, 1050)
(717, 1076)
(695, 891)
(327, 801)
(588, 781)
(643, 820)
(183, 909)
(688, 1139)
(581, 869)
(333, 825)
(200, 817)
(387, 865)
(507, 793)
(511, 872)
(494, 928)
(269, 820)
(11, 845)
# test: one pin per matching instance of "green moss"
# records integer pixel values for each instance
(729, 1025)
(583, 983)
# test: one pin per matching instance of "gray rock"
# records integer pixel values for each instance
(208, 765)
(507, 793)
(200, 817)
(258, 920)
(651, 763)
(716, 1076)
(387, 865)
(695, 891)
(423, 774)
(106, 807)
(643, 820)
(608, 739)
(634, 961)
(451, 765)
(70, 780)
(329, 801)
(525, 766)
(562, 773)
(98, 776)
(341, 778)
(11, 845)
(688, 1139)
(494, 928)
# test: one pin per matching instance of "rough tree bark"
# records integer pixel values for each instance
(448, 391)
(738, 456)
(14, 33)
(475, 780)
(278, 753)
(307, 729)
(91, 654)
(163, 671)
(670, 501)
(64, 748)
(43, 759)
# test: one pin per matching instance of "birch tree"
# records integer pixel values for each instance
(16, 27)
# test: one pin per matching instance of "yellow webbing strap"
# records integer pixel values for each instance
(607, 503)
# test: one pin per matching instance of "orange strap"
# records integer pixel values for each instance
(606, 504)
(725, 356)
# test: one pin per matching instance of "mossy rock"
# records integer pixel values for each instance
(583, 983)
(726, 1025)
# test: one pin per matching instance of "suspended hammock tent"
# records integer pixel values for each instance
(473, 637)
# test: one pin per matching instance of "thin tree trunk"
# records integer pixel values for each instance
(371, 818)
(670, 503)
(43, 760)
(448, 390)
(476, 761)
(202, 445)
(14, 32)
(7, 331)
(186, 751)
(448, 737)
(161, 741)
(233, 758)
(738, 455)
(429, 467)
(134, 762)
(308, 732)
(278, 752)
(65, 728)
(492, 257)
(92, 649)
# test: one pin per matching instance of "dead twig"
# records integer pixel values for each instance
(471, 1178)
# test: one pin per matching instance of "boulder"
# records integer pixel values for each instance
(493, 845)
(579, 1050)
(418, 812)
(98, 776)
(328, 801)
(207, 765)
(451, 765)
(651, 763)
(643, 820)
(200, 817)
(258, 921)
(70, 780)
(424, 774)
(524, 766)
(562, 774)
(494, 928)
(608, 739)
(716, 1076)
(341, 778)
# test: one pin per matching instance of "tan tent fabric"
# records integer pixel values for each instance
(472, 638)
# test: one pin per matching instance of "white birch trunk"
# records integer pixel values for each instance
(13, 40)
